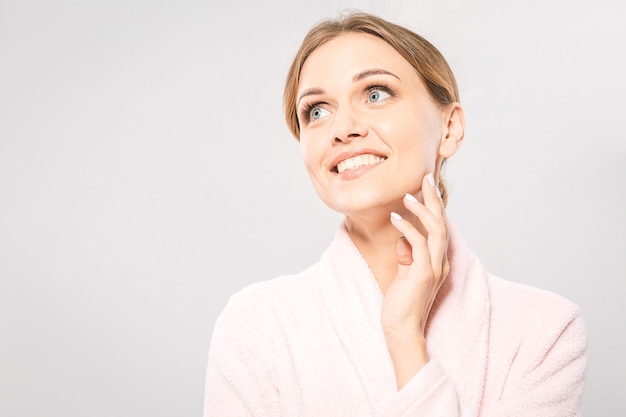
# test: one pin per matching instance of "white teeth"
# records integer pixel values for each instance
(358, 161)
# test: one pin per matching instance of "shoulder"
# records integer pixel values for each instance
(266, 293)
(534, 321)
(537, 346)
(271, 300)
(516, 300)
(253, 319)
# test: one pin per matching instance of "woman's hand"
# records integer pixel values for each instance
(422, 268)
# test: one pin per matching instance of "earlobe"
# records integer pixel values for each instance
(453, 130)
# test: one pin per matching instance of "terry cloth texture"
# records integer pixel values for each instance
(311, 344)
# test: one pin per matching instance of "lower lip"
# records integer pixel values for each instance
(351, 174)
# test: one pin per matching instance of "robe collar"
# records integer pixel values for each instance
(457, 330)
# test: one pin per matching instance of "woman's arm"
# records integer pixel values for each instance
(422, 268)
(548, 383)
(239, 366)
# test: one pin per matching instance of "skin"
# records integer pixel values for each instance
(357, 94)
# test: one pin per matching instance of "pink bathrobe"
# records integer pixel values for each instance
(311, 344)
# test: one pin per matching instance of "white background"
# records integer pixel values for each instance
(146, 174)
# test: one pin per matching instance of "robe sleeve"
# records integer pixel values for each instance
(547, 383)
(239, 371)
(430, 393)
(550, 382)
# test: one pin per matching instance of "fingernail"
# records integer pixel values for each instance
(396, 215)
(410, 198)
(431, 180)
(438, 191)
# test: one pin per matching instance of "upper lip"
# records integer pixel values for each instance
(351, 154)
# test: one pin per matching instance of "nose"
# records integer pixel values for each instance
(348, 125)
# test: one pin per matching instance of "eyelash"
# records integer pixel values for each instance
(305, 113)
(381, 87)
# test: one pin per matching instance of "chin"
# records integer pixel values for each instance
(364, 203)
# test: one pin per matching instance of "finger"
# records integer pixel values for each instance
(435, 227)
(417, 242)
(404, 251)
(436, 205)
(437, 236)
(432, 197)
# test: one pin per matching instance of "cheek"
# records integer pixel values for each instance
(311, 155)
(402, 134)
(305, 155)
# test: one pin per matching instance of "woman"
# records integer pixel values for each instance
(398, 318)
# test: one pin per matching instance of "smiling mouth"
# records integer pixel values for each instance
(357, 162)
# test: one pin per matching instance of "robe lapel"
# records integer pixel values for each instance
(457, 331)
(353, 301)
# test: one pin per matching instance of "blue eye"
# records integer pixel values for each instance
(317, 112)
(375, 95)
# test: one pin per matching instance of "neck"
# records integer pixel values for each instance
(376, 239)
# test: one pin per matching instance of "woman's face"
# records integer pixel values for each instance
(369, 130)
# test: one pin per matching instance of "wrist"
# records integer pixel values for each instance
(408, 354)
(405, 344)
(403, 333)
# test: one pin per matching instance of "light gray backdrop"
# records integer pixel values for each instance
(146, 174)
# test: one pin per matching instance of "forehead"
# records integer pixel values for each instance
(339, 59)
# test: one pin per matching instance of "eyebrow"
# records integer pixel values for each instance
(368, 73)
(357, 77)
(309, 92)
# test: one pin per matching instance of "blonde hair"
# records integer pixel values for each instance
(421, 54)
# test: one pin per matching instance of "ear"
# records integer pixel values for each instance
(453, 130)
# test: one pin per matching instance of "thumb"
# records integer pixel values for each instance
(404, 251)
